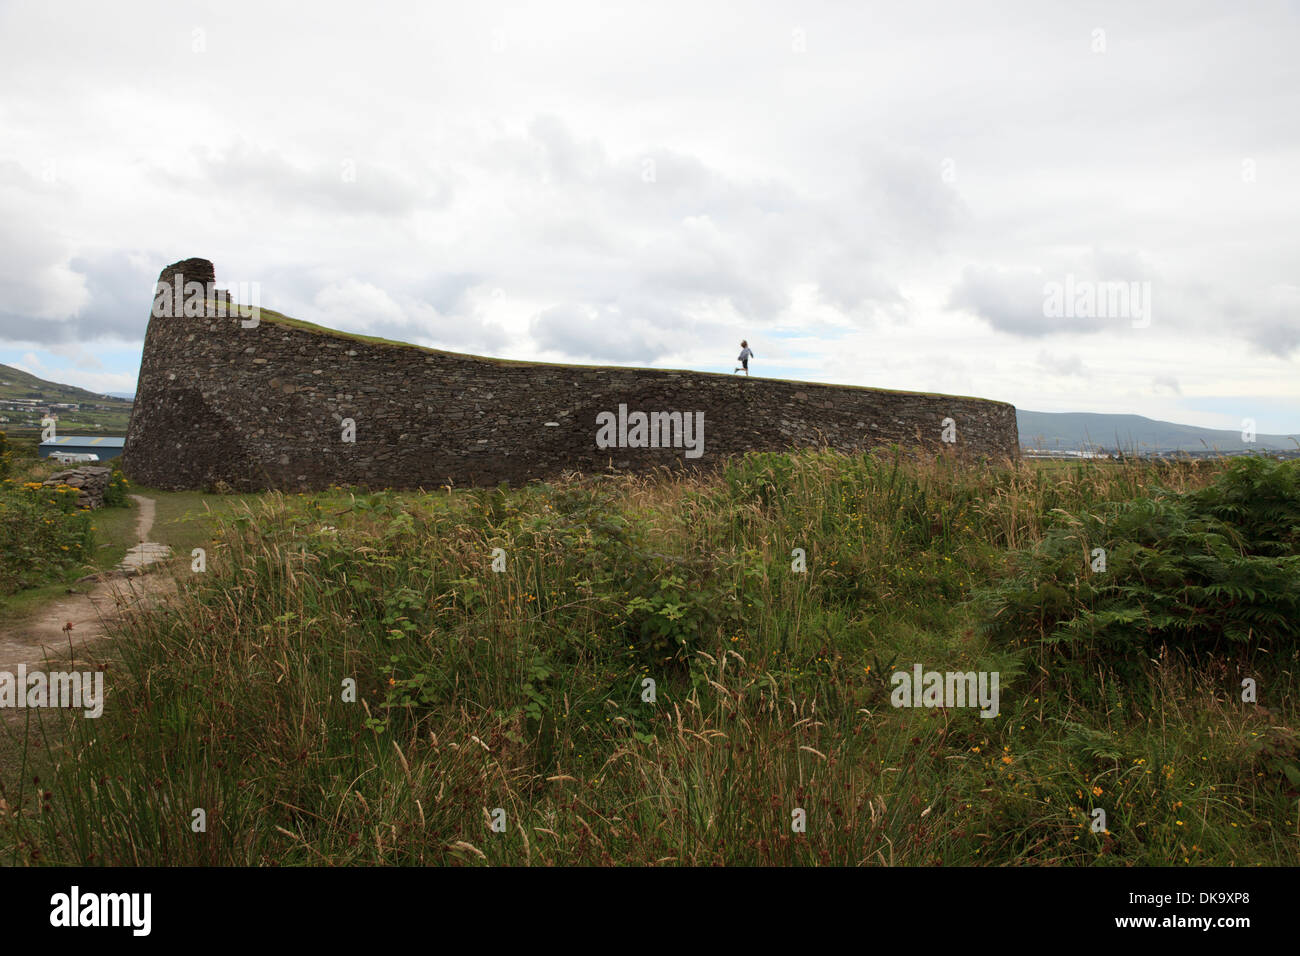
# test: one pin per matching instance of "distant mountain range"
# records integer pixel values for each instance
(1133, 434)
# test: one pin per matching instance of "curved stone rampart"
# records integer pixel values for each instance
(268, 402)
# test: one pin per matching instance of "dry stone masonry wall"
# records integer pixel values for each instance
(90, 481)
(268, 404)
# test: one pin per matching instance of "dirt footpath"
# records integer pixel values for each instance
(48, 631)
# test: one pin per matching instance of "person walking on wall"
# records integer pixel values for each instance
(745, 353)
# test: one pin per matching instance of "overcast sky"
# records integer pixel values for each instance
(870, 194)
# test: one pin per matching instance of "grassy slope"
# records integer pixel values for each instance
(23, 385)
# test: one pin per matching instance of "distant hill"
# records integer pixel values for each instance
(17, 385)
(1081, 431)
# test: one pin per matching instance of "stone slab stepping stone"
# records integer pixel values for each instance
(142, 555)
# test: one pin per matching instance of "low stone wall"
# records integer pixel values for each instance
(91, 481)
(279, 405)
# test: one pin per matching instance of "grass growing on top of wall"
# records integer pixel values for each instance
(518, 697)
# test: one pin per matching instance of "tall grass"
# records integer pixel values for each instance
(518, 700)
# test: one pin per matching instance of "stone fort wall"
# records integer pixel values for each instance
(269, 406)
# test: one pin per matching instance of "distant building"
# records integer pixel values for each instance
(101, 445)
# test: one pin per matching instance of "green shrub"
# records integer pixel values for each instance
(115, 493)
(42, 534)
(665, 605)
(1187, 570)
(1260, 499)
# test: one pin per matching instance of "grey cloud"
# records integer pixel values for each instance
(625, 332)
(849, 284)
(448, 291)
(1269, 319)
(661, 223)
(743, 243)
(562, 157)
(34, 278)
(120, 296)
(455, 333)
(293, 288)
(571, 330)
(389, 312)
(1010, 301)
(908, 199)
(1020, 301)
(349, 184)
(119, 293)
(1070, 365)
(1117, 265)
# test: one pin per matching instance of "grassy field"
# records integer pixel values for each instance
(699, 670)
